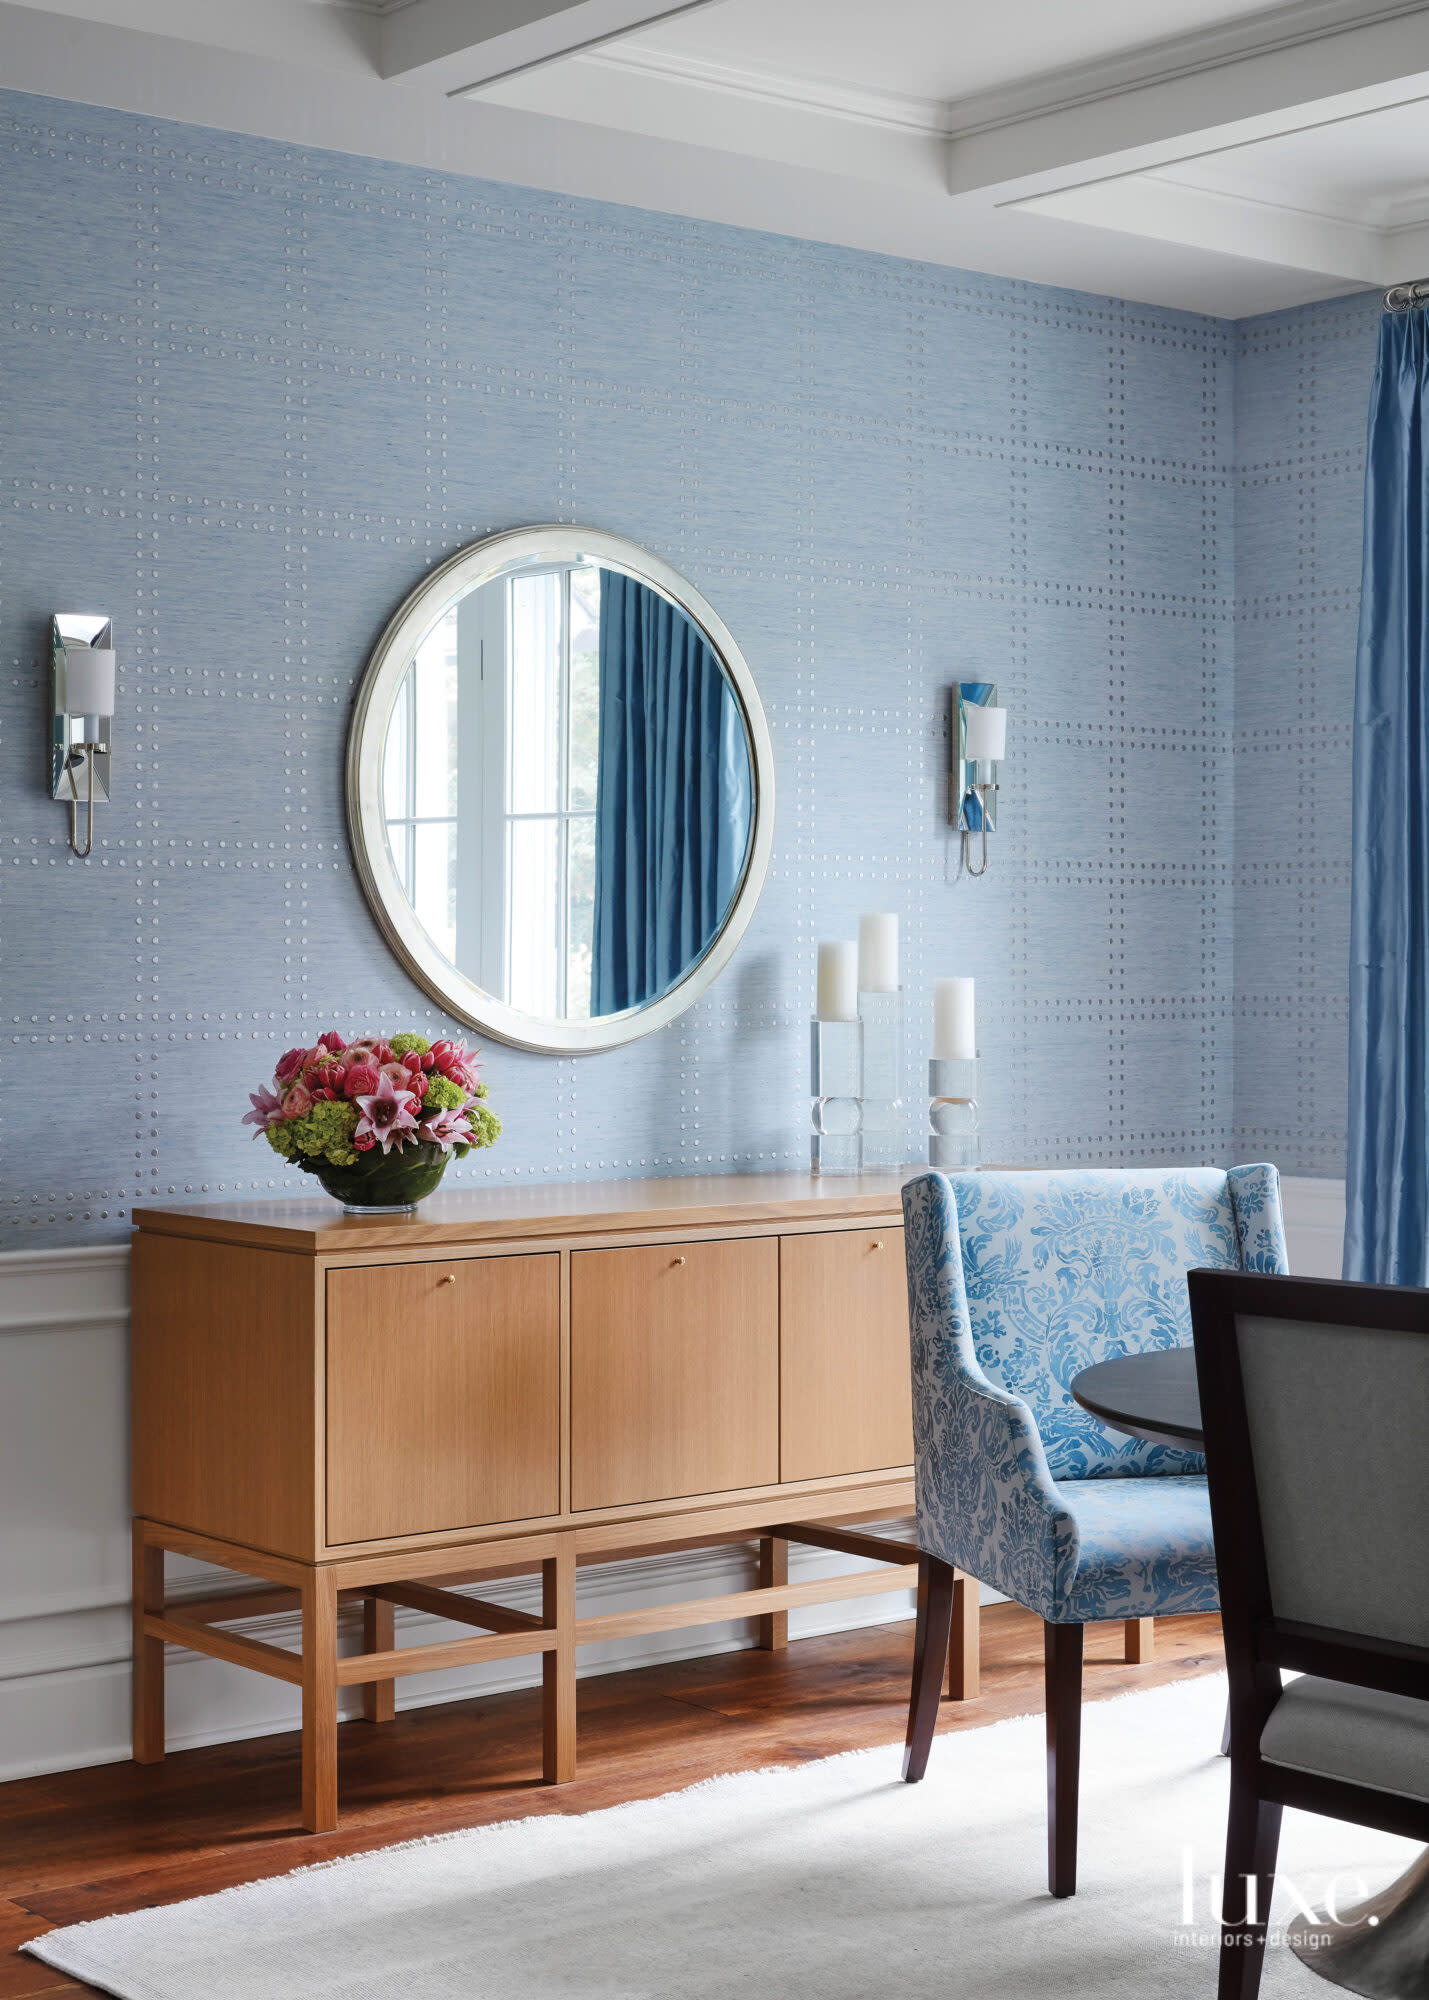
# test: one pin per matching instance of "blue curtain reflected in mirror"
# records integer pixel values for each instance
(674, 797)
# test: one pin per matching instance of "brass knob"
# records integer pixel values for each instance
(450, 1278)
(878, 1242)
(679, 1260)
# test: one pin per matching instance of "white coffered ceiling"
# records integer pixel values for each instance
(1209, 154)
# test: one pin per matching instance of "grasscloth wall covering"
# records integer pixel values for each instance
(1302, 399)
(251, 393)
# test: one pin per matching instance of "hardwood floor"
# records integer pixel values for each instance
(124, 1836)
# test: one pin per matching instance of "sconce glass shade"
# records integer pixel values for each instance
(984, 732)
(89, 680)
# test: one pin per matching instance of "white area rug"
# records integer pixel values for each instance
(828, 1881)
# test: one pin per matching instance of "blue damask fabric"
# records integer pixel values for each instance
(1016, 1282)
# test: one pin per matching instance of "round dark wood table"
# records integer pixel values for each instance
(1380, 1948)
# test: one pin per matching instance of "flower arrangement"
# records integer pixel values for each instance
(353, 1106)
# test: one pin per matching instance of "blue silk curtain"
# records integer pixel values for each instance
(673, 797)
(1387, 1188)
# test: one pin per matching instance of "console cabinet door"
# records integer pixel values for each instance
(846, 1402)
(674, 1370)
(443, 1395)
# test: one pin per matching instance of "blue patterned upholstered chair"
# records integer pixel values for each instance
(1016, 1282)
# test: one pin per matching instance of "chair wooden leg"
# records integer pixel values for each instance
(148, 1668)
(558, 1669)
(1140, 1641)
(773, 1569)
(964, 1651)
(1063, 1646)
(936, 1583)
(320, 1702)
(379, 1698)
(1252, 1840)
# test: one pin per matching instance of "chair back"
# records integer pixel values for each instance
(1066, 1269)
(1315, 1402)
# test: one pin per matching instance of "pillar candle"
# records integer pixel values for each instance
(954, 1021)
(838, 980)
(878, 954)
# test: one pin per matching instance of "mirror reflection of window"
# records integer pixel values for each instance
(420, 784)
(567, 790)
(499, 866)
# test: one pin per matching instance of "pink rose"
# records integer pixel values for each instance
(298, 1102)
(362, 1079)
(291, 1063)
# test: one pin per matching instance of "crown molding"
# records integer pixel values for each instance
(1265, 33)
(888, 109)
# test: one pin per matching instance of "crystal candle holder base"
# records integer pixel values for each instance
(836, 1087)
(954, 1119)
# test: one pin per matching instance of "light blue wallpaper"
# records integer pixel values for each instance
(1302, 400)
(250, 393)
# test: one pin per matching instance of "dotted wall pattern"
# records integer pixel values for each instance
(1303, 384)
(252, 393)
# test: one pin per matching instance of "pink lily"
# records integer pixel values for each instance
(445, 1128)
(267, 1110)
(388, 1114)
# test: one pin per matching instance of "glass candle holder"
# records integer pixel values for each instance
(954, 1136)
(836, 1087)
(881, 1134)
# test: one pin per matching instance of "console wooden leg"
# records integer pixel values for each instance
(558, 1669)
(148, 1671)
(1140, 1641)
(379, 1698)
(320, 1702)
(964, 1650)
(773, 1569)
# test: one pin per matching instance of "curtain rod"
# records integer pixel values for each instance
(1404, 298)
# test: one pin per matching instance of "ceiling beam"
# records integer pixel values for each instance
(462, 45)
(1209, 89)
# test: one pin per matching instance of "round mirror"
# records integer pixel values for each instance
(560, 789)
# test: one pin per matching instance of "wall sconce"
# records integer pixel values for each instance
(978, 739)
(83, 649)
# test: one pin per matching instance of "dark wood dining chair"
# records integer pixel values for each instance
(1315, 1403)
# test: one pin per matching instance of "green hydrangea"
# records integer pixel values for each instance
(406, 1045)
(442, 1094)
(325, 1131)
(485, 1125)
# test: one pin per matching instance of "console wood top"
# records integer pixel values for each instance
(318, 1226)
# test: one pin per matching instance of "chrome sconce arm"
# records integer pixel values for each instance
(977, 734)
(82, 651)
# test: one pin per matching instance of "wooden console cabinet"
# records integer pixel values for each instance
(375, 1409)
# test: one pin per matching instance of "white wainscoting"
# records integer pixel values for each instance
(64, 1552)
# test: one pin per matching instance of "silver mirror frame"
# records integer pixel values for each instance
(470, 567)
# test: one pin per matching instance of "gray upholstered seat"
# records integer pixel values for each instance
(1356, 1734)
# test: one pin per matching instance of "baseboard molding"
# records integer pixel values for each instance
(64, 1563)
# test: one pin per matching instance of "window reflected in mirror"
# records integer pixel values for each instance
(567, 789)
